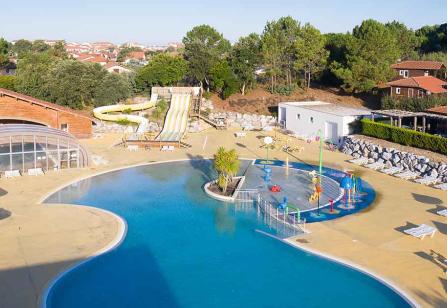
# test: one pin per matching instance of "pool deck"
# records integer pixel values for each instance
(39, 241)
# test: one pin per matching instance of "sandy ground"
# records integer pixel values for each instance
(39, 241)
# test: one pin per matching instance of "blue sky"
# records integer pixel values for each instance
(162, 21)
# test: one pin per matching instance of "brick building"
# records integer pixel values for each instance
(20, 108)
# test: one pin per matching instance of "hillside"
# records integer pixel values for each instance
(261, 101)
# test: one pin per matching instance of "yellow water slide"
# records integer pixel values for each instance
(102, 113)
(176, 120)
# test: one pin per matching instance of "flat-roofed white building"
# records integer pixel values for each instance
(305, 119)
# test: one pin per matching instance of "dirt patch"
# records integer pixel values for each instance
(260, 101)
(231, 188)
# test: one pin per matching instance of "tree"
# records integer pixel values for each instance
(32, 73)
(58, 50)
(223, 80)
(245, 58)
(21, 48)
(406, 39)
(433, 38)
(204, 47)
(369, 56)
(40, 46)
(162, 70)
(337, 45)
(4, 52)
(226, 164)
(7, 82)
(311, 55)
(112, 89)
(278, 48)
(74, 84)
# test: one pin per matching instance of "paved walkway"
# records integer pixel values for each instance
(38, 241)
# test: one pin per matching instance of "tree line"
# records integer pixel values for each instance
(284, 56)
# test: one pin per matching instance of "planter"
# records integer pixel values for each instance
(219, 196)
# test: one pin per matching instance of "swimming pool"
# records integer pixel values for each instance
(183, 249)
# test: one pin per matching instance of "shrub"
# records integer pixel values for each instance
(416, 104)
(285, 90)
(7, 82)
(404, 136)
(124, 122)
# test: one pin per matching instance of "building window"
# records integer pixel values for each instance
(298, 116)
(426, 73)
(397, 90)
(410, 92)
(406, 74)
(311, 119)
(401, 72)
(64, 127)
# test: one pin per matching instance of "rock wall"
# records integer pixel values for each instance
(112, 127)
(357, 147)
(243, 120)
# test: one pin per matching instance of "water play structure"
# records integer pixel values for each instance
(105, 113)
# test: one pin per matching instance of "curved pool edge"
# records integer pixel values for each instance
(42, 302)
(113, 244)
(381, 279)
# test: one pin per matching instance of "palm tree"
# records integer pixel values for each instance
(226, 164)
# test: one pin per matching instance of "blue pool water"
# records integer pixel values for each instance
(183, 249)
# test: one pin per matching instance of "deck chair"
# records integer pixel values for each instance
(359, 161)
(12, 173)
(421, 231)
(391, 170)
(442, 213)
(442, 186)
(407, 175)
(428, 180)
(375, 166)
(35, 171)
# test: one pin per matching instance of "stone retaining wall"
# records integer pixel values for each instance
(236, 119)
(357, 147)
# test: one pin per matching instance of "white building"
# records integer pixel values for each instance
(305, 119)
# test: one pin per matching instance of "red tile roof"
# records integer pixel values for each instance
(419, 65)
(439, 110)
(139, 55)
(42, 103)
(428, 83)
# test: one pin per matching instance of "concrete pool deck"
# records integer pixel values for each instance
(39, 241)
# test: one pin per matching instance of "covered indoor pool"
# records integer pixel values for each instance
(183, 249)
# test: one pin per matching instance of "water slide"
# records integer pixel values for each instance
(176, 120)
(102, 113)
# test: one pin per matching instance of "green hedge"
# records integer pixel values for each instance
(404, 136)
(413, 103)
(7, 82)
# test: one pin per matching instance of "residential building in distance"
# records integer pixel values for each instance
(417, 79)
(114, 67)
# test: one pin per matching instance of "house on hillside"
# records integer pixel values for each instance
(113, 67)
(306, 119)
(417, 79)
(93, 58)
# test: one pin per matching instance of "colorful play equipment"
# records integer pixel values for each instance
(289, 209)
(275, 188)
(103, 113)
(267, 174)
(317, 189)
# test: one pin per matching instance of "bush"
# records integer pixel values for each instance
(7, 82)
(415, 104)
(207, 95)
(285, 90)
(404, 136)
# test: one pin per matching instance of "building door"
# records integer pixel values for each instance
(282, 120)
(331, 132)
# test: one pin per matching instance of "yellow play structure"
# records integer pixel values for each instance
(102, 113)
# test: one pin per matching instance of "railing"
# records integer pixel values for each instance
(272, 215)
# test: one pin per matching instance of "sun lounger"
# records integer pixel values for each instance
(428, 180)
(166, 148)
(421, 231)
(171, 148)
(407, 175)
(375, 166)
(35, 171)
(442, 213)
(248, 127)
(359, 161)
(240, 134)
(132, 148)
(12, 173)
(442, 186)
(391, 170)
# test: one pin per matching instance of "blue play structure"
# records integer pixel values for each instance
(268, 174)
(283, 204)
